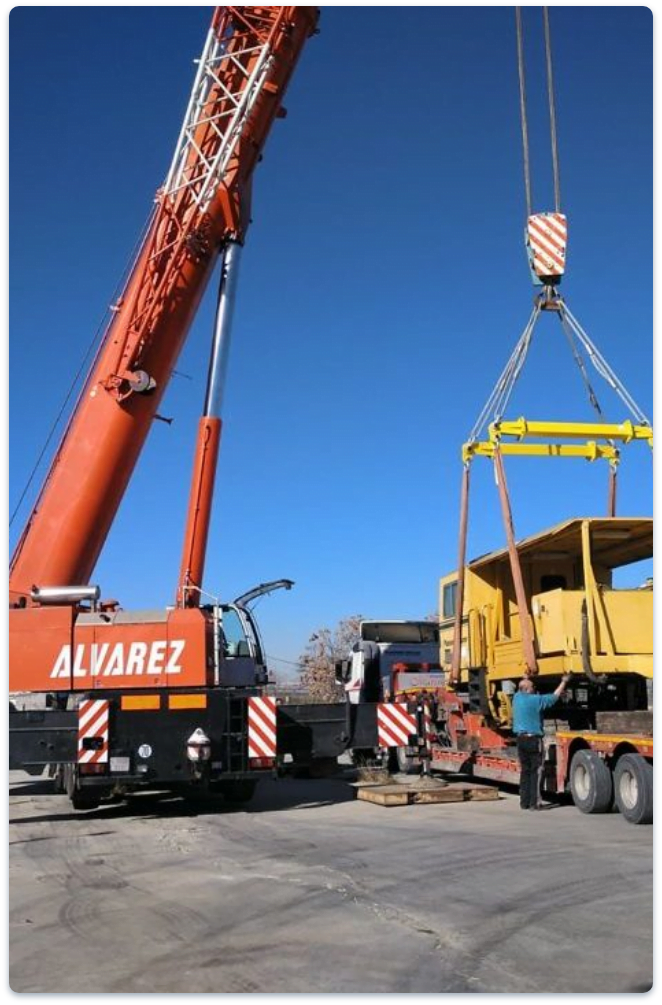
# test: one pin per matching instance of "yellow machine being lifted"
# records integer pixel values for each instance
(581, 622)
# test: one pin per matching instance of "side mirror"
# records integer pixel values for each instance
(343, 671)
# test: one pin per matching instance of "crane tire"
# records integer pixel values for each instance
(240, 790)
(80, 799)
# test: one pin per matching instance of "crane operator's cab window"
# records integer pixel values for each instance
(235, 642)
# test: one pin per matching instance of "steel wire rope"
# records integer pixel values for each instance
(552, 109)
(605, 370)
(522, 110)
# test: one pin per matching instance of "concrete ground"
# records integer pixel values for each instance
(309, 890)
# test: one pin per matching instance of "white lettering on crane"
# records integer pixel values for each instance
(98, 656)
(156, 656)
(135, 661)
(122, 660)
(177, 648)
(115, 665)
(62, 666)
(79, 669)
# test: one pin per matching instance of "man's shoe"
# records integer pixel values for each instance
(534, 807)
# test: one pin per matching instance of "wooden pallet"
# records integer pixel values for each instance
(405, 795)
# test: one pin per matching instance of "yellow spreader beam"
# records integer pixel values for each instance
(624, 432)
(590, 451)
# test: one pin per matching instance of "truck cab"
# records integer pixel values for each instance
(392, 659)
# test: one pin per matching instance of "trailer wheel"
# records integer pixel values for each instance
(404, 763)
(591, 783)
(633, 788)
(56, 772)
(364, 758)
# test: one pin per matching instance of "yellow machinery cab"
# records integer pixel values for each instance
(581, 621)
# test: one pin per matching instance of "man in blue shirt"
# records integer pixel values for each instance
(528, 708)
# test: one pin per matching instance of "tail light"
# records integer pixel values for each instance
(92, 769)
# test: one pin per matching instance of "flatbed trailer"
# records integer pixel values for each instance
(600, 770)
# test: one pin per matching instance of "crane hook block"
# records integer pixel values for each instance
(546, 240)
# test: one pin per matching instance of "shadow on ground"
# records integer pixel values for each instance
(270, 796)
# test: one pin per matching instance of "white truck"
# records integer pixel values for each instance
(393, 662)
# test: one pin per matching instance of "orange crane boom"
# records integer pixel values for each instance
(249, 56)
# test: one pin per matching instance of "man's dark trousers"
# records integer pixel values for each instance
(529, 751)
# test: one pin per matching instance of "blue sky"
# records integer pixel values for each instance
(383, 286)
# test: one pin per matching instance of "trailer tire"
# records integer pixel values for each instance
(404, 763)
(56, 772)
(633, 788)
(364, 758)
(591, 783)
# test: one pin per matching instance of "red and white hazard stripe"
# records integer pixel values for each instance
(93, 731)
(429, 732)
(261, 727)
(547, 236)
(395, 725)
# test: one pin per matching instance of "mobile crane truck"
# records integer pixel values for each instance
(171, 697)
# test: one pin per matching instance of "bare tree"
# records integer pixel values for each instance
(317, 663)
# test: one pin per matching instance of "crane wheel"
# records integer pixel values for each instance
(633, 788)
(80, 799)
(238, 791)
(591, 783)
